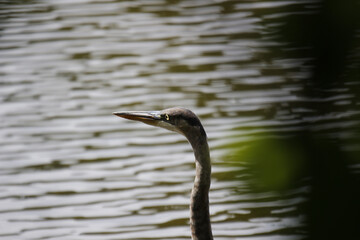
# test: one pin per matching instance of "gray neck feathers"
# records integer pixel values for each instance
(199, 206)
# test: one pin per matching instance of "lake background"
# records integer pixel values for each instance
(271, 80)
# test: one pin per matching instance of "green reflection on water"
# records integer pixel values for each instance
(273, 163)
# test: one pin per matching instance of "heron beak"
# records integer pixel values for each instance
(151, 118)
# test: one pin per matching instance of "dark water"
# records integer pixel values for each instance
(71, 170)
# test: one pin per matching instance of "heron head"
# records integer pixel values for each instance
(175, 119)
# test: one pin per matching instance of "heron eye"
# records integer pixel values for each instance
(167, 117)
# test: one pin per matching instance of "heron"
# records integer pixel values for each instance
(185, 122)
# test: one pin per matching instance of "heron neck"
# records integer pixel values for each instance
(199, 206)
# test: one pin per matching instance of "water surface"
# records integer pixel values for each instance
(72, 170)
